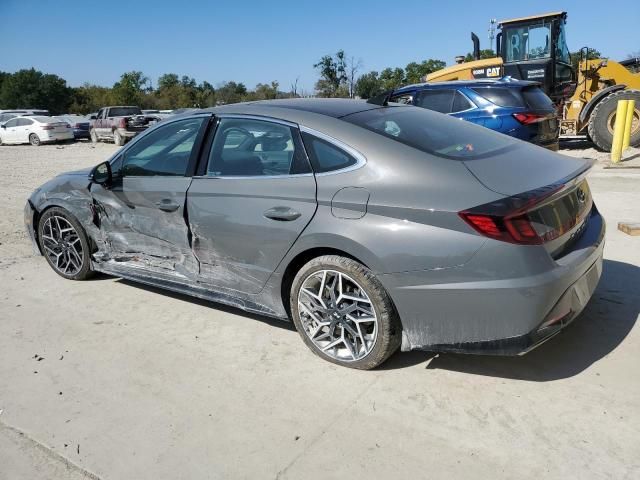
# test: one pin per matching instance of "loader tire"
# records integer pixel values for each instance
(603, 119)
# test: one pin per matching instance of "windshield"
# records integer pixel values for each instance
(431, 132)
(562, 50)
(124, 111)
(528, 42)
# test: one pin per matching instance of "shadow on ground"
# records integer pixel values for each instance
(602, 326)
(217, 306)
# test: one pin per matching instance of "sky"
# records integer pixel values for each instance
(261, 41)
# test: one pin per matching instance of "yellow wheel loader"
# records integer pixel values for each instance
(535, 48)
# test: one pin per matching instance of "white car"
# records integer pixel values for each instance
(34, 130)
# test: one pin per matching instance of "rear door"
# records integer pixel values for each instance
(142, 216)
(254, 196)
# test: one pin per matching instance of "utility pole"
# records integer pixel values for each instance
(492, 32)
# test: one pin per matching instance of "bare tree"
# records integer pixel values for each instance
(294, 87)
(354, 68)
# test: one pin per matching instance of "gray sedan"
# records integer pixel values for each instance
(372, 226)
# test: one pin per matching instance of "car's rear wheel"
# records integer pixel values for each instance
(343, 313)
(65, 244)
(93, 135)
(117, 138)
(34, 140)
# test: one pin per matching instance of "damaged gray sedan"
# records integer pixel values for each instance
(372, 226)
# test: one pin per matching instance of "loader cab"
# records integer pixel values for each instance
(535, 48)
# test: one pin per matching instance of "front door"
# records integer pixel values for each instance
(255, 197)
(10, 131)
(142, 215)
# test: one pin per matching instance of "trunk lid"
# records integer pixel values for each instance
(524, 167)
(548, 189)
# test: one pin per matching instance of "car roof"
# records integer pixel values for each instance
(331, 107)
(480, 82)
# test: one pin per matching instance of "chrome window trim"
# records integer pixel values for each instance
(361, 160)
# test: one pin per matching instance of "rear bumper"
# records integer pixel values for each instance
(130, 133)
(80, 133)
(467, 309)
(56, 136)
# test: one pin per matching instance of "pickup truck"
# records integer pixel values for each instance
(118, 124)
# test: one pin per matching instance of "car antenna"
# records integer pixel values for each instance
(382, 99)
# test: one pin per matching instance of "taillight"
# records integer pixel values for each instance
(76, 125)
(508, 219)
(122, 123)
(529, 118)
(47, 127)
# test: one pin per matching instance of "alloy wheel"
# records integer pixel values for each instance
(62, 245)
(337, 315)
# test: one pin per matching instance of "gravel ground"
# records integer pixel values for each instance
(107, 379)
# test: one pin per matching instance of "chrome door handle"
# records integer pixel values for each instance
(167, 205)
(282, 214)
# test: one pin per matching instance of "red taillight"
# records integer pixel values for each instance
(529, 118)
(76, 125)
(122, 123)
(47, 127)
(508, 220)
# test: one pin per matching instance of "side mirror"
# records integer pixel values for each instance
(101, 174)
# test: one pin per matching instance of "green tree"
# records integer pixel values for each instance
(89, 98)
(34, 89)
(415, 72)
(368, 85)
(230, 92)
(592, 54)
(391, 78)
(484, 53)
(130, 89)
(333, 75)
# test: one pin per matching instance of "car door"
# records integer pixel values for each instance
(98, 124)
(254, 196)
(26, 127)
(142, 214)
(10, 131)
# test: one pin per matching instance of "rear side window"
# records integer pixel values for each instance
(461, 103)
(324, 156)
(537, 99)
(23, 122)
(439, 100)
(500, 96)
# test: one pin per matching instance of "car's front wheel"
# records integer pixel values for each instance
(343, 313)
(65, 244)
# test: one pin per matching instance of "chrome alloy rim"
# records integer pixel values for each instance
(337, 315)
(62, 245)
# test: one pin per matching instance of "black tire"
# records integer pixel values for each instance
(34, 140)
(600, 124)
(93, 135)
(85, 271)
(389, 327)
(118, 139)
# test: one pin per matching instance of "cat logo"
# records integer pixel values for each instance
(493, 72)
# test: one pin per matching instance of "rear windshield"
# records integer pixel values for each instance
(537, 99)
(531, 97)
(431, 132)
(124, 111)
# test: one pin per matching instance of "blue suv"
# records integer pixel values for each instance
(514, 107)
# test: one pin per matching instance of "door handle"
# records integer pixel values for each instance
(282, 214)
(166, 205)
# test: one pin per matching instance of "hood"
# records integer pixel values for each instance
(84, 171)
